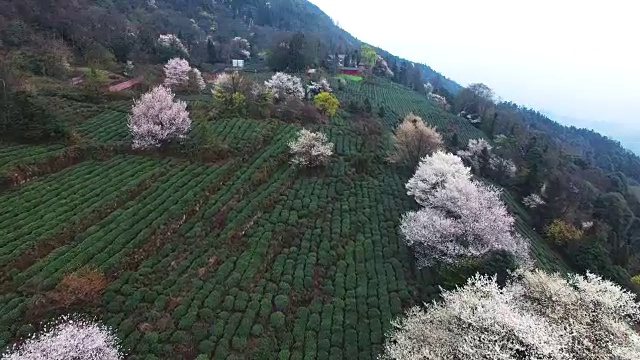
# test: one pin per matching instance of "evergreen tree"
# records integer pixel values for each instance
(211, 52)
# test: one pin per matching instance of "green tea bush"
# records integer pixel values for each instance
(277, 320)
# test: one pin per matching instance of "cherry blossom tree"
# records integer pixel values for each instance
(310, 149)
(156, 118)
(171, 41)
(283, 85)
(413, 140)
(68, 339)
(462, 219)
(535, 316)
(433, 172)
(176, 72)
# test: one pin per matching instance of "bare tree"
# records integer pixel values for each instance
(413, 140)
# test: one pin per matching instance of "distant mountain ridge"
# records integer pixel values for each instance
(629, 138)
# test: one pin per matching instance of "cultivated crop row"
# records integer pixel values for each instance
(12, 155)
(106, 127)
(399, 101)
(106, 243)
(209, 234)
(238, 133)
(40, 210)
(317, 269)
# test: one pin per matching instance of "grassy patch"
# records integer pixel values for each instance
(350, 77)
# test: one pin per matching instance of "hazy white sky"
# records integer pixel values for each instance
(572, 58)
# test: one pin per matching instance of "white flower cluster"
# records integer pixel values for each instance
(283, 85)
(505, 167)
(586, 225)
(439, 100)
(381, 62)
(428, 88)
(533, 201)
(242, 46)
(502, 168)
(222, 81)
(310, 149)
(68, 339)
(473, 118)
(156, 118)
(172, 41)
(535, 316)
(315, 88)
(461, 218)
(473, 152)
(434, 172)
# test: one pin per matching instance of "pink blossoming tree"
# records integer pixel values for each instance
(156, 119)
(176, 72)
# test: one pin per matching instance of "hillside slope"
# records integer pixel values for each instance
(245, 257)
(128, 29)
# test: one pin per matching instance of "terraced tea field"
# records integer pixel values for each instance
(243, 258)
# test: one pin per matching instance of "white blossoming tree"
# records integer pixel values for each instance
(197, 79)
(240, 48)
(176, 72)
(533, 201)
(283, 85)
(315, 88)
(502, 169)
(310, 149)
(535, 316)
(433, 172)
(172, 43)
(441, 101)
(462, 219)
(474, 155)
(156, 119)
(68, 339)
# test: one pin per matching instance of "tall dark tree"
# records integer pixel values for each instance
(212, 55)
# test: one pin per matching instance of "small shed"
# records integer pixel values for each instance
(126, 85)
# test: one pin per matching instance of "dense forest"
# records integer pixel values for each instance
(296, 206)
